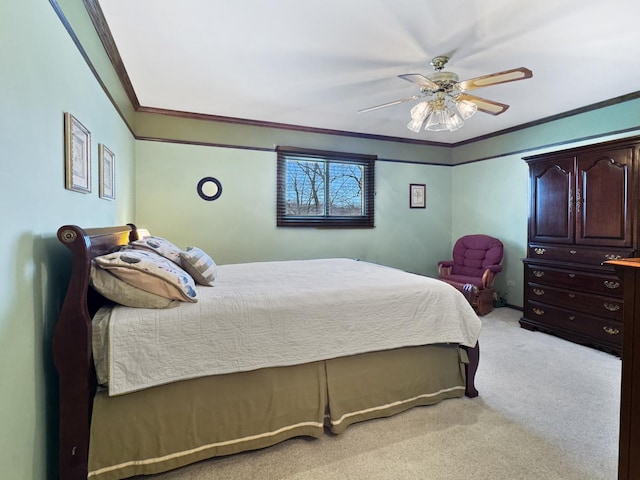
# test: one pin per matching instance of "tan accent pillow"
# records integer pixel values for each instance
(159, 245)
(150, 272)
(122, 293)
(199, 265)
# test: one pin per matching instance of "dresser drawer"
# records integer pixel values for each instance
(599, 283)
(609, 307)
(568, 322)
(577, 254)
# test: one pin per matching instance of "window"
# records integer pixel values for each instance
(325, 189)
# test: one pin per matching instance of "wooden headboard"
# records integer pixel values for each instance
(72, 354)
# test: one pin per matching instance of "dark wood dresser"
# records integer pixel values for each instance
(629, 457)
(582, 213)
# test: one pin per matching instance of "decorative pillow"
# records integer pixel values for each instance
(199, 265)
(151, 272)
(159, 245)
(121, 292)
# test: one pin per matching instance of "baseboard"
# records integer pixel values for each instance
(515, 307)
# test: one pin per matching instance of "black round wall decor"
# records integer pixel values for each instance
(218, 188)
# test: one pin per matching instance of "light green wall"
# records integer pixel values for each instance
(199, 131)
(43, 75)
(240, 225)
(620, 119)
(491, 197)
(76, 15)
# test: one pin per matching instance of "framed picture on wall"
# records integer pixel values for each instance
(106, 173)
(77, 153)
(417, 195)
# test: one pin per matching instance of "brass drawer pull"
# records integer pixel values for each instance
(572, 252)
(538, 291)
(572, 317)
(538, 311)
(611, 331)
(539, 251)
(572, 275)
(610, 284)
(612, 307)
(538, 273)
(572, 295)
(613, 257)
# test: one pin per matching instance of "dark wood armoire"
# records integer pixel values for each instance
(582, 213)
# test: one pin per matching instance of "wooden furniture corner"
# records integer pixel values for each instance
(629, 457)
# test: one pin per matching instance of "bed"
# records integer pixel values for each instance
(264, 383)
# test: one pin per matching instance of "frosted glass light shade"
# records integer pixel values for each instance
(439, 114)
(415, 125)
(420, 111)
(437, 121)
(454, 122)
(418, 115)
(466, 108)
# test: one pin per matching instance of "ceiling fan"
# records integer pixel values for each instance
(447, 92)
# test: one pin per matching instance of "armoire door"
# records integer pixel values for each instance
(551, 218)
(602, 198)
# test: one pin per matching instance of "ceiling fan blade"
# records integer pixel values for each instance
(389, 104)
(495, 78)
(487, 106)
(420, 79)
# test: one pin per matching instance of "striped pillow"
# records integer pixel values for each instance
(199, 265)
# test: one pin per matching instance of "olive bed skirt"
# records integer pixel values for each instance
(169, 426)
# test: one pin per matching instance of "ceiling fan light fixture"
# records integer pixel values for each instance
(421, 110)
(437, 121)
(418, 115)
(466, 108)
(415, 125)
(454, 122)
(450, 104)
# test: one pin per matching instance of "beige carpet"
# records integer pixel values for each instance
(548, 409)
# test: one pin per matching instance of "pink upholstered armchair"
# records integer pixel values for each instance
(477, 259)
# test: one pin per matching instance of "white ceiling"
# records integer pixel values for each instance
(315, 63)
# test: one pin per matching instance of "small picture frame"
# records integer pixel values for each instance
(106, 173)
(417, 195)
(77, 153)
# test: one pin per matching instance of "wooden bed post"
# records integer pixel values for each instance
(72, 345)
(470, 369)
(72, 358)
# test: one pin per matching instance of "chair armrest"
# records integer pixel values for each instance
(444, 267)
(446, 263)
(489, 275)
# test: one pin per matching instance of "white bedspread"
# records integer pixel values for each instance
(275, 314)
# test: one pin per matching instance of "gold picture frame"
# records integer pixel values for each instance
(106, 173)
(77, 155)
